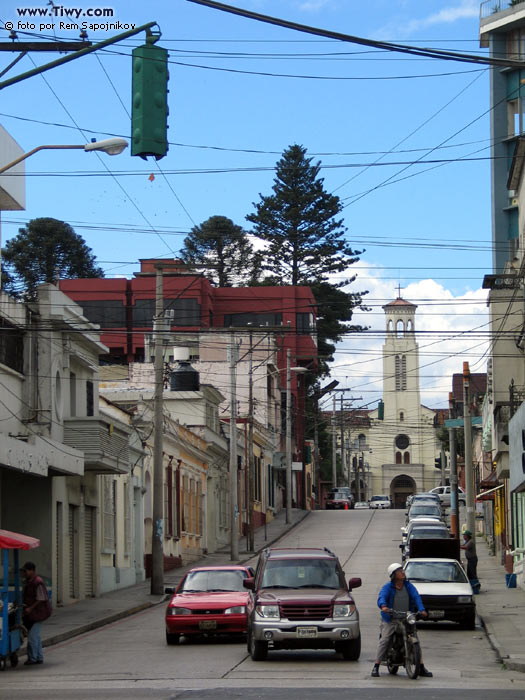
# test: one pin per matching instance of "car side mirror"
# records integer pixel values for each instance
(171, 591)
(248, 583)
(354, 583)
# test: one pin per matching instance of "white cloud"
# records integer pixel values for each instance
(466, 9)
(313, 5)
(452, 329)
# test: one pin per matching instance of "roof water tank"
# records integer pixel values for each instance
(184, 378)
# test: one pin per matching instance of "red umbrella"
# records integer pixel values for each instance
(14, 540)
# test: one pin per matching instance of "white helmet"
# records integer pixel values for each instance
(393, 567)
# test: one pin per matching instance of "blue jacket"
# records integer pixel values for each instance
(386, 597)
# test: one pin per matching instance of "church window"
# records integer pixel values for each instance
(398, 458)
(406, 458)
(402, 442)
(401, 372)
(400, 328)
(410, 327)
(401, 416)
(390, 326)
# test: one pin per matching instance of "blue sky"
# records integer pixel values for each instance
(358, 110)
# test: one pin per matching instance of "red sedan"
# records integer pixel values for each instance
(208, 600)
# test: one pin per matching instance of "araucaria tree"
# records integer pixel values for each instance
(299, 223)
(43, 251)
(221, 251)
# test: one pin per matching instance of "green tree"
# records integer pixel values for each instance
(298, 222)
(43, 251)
(221, 250)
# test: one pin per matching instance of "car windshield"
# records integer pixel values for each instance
(428, 533)
(437, 572)
(214, 581)
(301, 573)
(379, 498)
(338, 494)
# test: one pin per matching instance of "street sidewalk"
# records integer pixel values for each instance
(88, 614)
(501, 609)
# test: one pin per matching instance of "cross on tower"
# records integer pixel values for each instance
(399, 291)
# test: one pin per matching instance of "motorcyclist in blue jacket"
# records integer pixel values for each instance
(398, 594)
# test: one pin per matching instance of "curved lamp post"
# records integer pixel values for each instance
(112, 147)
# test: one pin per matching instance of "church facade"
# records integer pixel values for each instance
(392, 449)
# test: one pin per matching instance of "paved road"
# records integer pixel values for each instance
(130, 659)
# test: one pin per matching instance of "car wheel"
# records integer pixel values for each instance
(258, 649)
(172, 638)
(351, 650)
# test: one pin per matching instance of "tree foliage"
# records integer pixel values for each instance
(299, 223)
(43, 251)
(221, 250)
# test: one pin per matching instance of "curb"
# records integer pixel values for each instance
(504, 659)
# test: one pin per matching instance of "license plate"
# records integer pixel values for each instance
(208, 625)
(436, 614)
(307, 632)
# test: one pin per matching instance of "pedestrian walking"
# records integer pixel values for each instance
(37, 608)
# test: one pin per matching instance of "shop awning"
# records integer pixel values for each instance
(485, 494)
(14, 540)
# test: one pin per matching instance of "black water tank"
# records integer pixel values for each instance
(184, 378)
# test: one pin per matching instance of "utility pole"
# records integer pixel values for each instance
(469, 472)
(234, 507)
(251, 461)
(157, 540)
(343, 465)
(334, 447)
(288, 439)
(454, 520)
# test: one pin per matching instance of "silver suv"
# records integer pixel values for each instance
(300, 600)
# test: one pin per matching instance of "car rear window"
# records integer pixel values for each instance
(428, 532)
(424, 510)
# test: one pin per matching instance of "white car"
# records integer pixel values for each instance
(380, 502)
(417, 522)
(444, 589)
(361, 505)
(444, 495)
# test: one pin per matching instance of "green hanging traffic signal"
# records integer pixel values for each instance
(149, 107)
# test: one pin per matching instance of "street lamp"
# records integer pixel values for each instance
(289, 371)
(112, 147)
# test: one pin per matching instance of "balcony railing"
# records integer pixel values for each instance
(104, 444)
(492, 7)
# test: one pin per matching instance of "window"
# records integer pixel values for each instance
(401, 372)
(72, 394)
(271, 496)
(257, 479)
(402, 442)
(305, 323)
(400, 327)
(516, 43)
(11, 346)
(127, 517)
(406, 458)
(253, 319)
(398, 458)
(401, 416)
(186, 312)
(90, 405)
(390, 326)
(168, 503)
(106, 313)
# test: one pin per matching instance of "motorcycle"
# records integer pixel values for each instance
(404, 649)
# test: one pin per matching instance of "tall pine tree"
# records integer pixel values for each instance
(43, 251)
(221, 250)
(299, 223)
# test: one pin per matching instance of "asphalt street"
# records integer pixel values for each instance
(130, 659)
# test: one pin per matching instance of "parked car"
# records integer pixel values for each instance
(427, 532)
(361, 505)
(424, 509)
(443, 492)
(340, 499)
(382, 501)
(444, 589)
(300, 600)
(209, 600)
(416, 522)
(426, 496)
